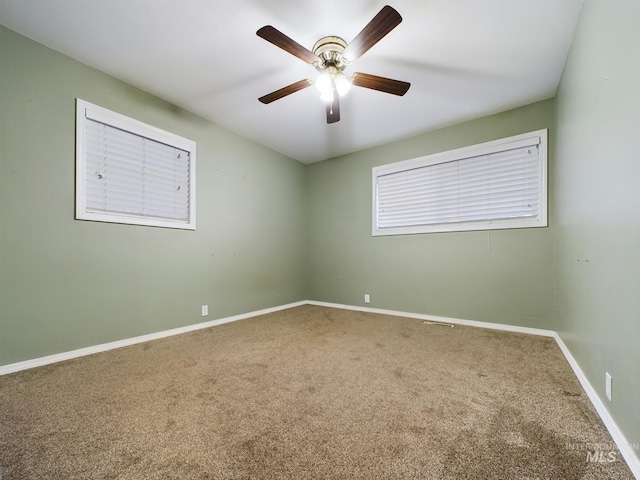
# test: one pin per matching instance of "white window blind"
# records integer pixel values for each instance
(500, 184)
(130, 172)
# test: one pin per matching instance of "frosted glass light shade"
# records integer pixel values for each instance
(343, 85)
(324, 84)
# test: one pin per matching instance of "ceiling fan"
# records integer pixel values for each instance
(331, 55)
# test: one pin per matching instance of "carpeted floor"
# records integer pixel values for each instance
(309, 393)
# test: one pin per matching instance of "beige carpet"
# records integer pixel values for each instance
(307, 393)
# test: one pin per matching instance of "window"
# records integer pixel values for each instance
(130, 172)
(494, 185)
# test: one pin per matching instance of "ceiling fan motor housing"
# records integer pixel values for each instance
(329, 50)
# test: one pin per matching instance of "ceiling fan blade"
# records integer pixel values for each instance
(279, 39)
(284, 91)
(333, 109)
(382, 84)
(386, 20)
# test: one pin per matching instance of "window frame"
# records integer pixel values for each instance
(494, 146)
(86, 111)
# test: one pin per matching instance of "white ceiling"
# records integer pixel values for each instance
(464, 59)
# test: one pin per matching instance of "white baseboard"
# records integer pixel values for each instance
(623, 445)
(621, 442)
(434, 318)
(59, 357)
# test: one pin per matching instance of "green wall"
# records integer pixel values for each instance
(501, 276)
(597, 206)
(67, 284)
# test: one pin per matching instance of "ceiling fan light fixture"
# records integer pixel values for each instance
(343, 84)
(324, 84)
(328, 82)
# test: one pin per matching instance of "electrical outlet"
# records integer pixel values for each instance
(205, 310)
(367, 298)
(608, 384)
